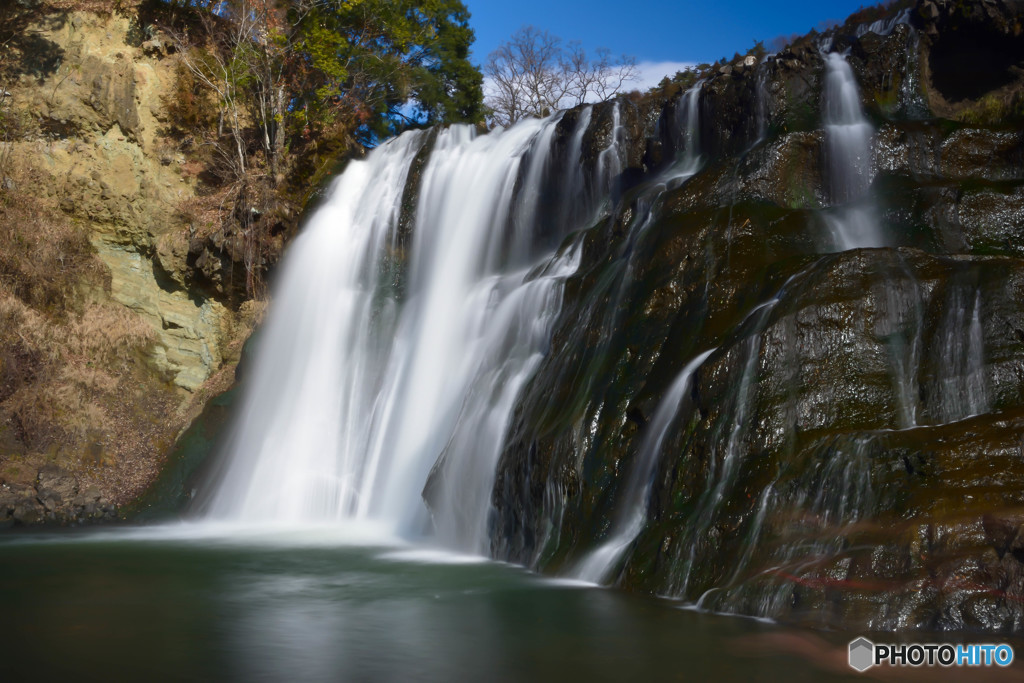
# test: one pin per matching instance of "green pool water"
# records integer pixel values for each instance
(193, 603)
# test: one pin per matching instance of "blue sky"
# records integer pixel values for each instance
(662, 35)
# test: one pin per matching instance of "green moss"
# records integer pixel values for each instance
(995, 110)
(888, 101)
(800, 114)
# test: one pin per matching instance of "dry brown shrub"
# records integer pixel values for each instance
(81, 364)
(99, 6)
(206, 214)
(105, 332)
(56, 412)
(44, 257)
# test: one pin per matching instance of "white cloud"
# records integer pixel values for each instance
(651, 73)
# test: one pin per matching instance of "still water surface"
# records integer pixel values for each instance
(201, 603)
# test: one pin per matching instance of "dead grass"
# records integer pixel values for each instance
(98, 6)
(74, 385)
(43, 256)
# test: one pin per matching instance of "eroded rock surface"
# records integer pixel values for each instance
(850, 451)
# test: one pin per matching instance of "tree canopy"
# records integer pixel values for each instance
(271, 93)
(312, 69)
(389, 62)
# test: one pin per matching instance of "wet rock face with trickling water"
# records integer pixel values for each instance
(850, 451)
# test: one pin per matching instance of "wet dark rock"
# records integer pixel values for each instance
(28, 511)
(90, 495)
(850, 454)
(54, 499)
(49, 499)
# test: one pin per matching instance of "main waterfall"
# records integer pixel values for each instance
(402, 329)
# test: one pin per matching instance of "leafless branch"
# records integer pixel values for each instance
(535, 74)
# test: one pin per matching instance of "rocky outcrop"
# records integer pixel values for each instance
(973, 51)
(849, 452)
(55, 496)
(103, 382)
(110, 167)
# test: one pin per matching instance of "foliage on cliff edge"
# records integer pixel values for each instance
(271, 95)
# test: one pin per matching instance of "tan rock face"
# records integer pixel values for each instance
(192, 331)
(110, 168)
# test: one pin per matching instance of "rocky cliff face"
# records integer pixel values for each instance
(112, 169)
(850, 452)
(90, 95)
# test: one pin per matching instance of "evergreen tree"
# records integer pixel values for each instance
(385, 64)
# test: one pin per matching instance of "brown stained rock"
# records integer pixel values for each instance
(57, 480)
(91, 494)
(1002, 529)
(864, 518)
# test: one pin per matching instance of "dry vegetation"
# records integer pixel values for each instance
(73, 386)
(77, 382)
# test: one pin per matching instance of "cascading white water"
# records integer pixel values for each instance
(297, 450)
(632, 508)
(578, 212)
(364, 375)
(720, 480)
(898, 325)
(881, 27)
(852, 223)
(884, 27)
(962, 384)
(761, 117)
(688, 121)
(609, 161)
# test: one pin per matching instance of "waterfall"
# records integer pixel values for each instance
(852, 222)
(881, 27)
(578, 212)
(388, 358)
(898, 325)
(688, 124)
(962, 387)
(884, 27)
(633, 505)
(609, 161)
(761, 116)
(911, 94)
(721, 480)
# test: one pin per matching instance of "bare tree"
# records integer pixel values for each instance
(243, 64)
(535, 74)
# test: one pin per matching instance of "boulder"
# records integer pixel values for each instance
(60, 483)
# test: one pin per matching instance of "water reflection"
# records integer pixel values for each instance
(137, 608)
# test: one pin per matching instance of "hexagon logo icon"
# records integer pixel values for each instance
(862, 654)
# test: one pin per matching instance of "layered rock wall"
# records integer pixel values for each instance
(849, 453)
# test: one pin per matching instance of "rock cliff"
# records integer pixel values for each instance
(86, 141)
(850, 451)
